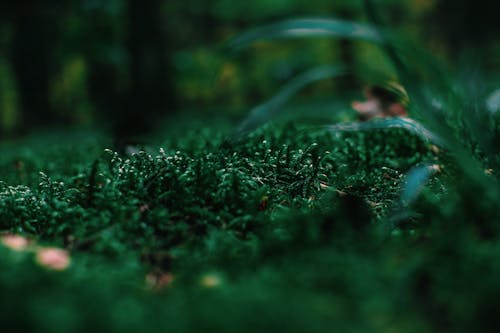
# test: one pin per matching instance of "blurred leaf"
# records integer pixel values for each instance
(416, 179)
(307, 27)
(411, 125)
(493, 101)
(415, 182)
(262, 113)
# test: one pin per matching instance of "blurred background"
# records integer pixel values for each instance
(124, 65)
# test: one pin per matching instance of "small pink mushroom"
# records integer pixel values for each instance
(53, 258)
(15, 242)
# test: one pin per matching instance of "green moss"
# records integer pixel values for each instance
(282, 230)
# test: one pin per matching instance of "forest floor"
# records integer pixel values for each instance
(284, 229)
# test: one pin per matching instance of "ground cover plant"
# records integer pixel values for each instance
(283, 222)
(272, 225)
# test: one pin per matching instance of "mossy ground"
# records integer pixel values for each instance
(283, 230)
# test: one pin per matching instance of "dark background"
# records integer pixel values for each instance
(124, 65)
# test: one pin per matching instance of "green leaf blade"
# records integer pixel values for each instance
(307, 28)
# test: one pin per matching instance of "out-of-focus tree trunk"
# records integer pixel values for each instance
(34, 37)
(106, 71)
(151, 93)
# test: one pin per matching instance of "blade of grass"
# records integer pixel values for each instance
(415, 181)
(411, 125)
(306, 27)
(266, 111)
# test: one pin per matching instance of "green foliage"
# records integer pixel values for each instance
(450, 119)
(173, 197)
(284, 221)
(195, 208)
(352, 227)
